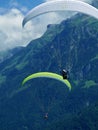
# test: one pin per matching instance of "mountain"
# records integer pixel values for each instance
(4, 55)
(73, 45)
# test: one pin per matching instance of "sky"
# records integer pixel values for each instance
(12, 13)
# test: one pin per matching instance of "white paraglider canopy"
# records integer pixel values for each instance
(61, 5)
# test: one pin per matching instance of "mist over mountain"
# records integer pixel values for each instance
(72, 45)
(4, 55)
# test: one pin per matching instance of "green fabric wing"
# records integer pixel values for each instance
(48, 75)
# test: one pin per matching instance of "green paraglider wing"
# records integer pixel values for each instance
(48, 75)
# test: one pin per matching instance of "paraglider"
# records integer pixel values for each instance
(64, 74)
(46, 116)
(47, 75)
(61, 5)
(51, 76)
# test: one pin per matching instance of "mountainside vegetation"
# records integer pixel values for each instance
(73, 45)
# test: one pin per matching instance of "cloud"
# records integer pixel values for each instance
(11, 32)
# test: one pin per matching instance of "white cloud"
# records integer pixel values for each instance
(11, 32)
(15, 4)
